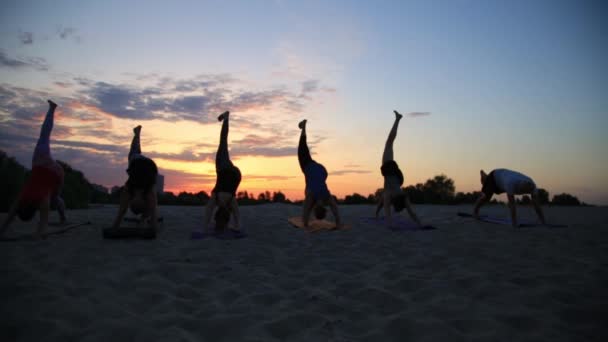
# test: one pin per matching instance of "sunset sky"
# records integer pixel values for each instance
(488, 84)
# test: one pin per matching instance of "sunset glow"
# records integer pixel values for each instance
(481, 92)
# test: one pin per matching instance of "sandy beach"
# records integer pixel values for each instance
(465, 281)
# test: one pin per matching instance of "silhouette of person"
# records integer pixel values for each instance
(513, 183)
(317, 195)
(139, 192)
(228, 178)
(393, 180)
(42, 190)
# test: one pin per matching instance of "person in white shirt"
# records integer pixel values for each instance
(513, 183)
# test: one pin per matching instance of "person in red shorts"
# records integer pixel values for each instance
(42, 190)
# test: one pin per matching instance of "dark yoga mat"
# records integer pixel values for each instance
(58, 229)
(507, 221)
(146, 233)
(399, 223)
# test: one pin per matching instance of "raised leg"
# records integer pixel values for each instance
(135, 149)
(303, 152)
(222, 158)
(388, 147)
(42, 152)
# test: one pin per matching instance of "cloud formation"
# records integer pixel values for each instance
(197, 99)
(26, 38)
(36, 63)
(348, 172)
(418, 114)
(93, 107)
(67, 33)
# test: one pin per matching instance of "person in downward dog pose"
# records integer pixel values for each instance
(223, 194)
(393, 180)
(139, 192)
(42, 190)
(317, 195)
(511, 182)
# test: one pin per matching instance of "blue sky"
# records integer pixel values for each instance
(518, 84)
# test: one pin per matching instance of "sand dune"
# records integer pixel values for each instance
(465, 281)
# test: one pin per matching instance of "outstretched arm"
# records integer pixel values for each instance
(537, 207)
(410, 211)
(235, 213)
(209, 211)
(44, 217)
(153, 205)
(483, 199)
(122, 210)
(380, 205)
(307, 209)
(386, 201)
(334, 209)
(512, 210)
(11, 215)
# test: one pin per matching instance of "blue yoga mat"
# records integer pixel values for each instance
(507, 221)
(399, 223)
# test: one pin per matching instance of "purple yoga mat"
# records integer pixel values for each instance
(399, 223)
(507, 221)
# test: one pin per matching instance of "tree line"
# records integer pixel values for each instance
(78, 192)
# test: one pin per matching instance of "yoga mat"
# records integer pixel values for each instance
(58, 229)
(399, 223)
(315, 225)
(507, 221)
(129, 233)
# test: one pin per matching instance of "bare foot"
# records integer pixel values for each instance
(52, 104)
(223, 116)
(397, 115)
(137, 129)
(302, 124)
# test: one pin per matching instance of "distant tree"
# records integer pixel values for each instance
(565, 199)
(466, 198)
(278, 197)
(187, 198)
(543, 196)
(415, 193)
(371, 198)
(203, 197)
(99, 194)
(355, 199)
(262, 197)
(438, 190)
(12, 177)
(242, 195)
(167, 198)
(76, 188)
